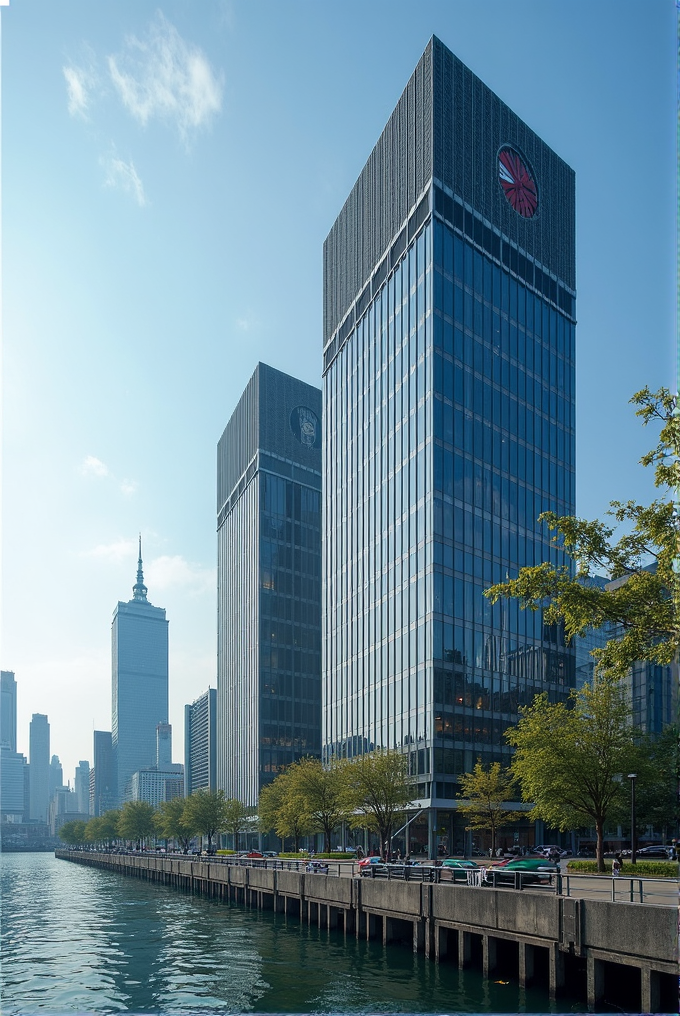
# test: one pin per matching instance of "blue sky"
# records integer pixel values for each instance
(169, 173)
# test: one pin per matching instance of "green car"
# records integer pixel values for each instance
(534, 870)
(459, 867)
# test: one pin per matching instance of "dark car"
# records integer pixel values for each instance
(655, 850)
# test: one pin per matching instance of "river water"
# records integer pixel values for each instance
(80, 940)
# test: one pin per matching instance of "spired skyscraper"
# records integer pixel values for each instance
(268, 583)
(139, 661)
(449, 293)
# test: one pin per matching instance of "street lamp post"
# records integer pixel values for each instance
(633, 845)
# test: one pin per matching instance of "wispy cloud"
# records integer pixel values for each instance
(123, 176)
(117, 551)
(79, 83)
(128, 487)
(246, 324)
(162, 76)
(172, 571)
(92, 466)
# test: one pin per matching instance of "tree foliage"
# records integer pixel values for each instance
(136, 821)
(570, 757)
(645, 605)
(322, 795)
(174, 822)
(377, 791)
(74, 833)
(205, 811)
(282, 808)
(236, 818)
(485, 792)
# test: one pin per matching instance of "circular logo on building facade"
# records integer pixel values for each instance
(305, 426)
(517, 182)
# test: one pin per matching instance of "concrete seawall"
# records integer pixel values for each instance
(582, 946)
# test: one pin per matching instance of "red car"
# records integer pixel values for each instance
(254, 853)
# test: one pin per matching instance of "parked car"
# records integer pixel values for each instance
(548, 850)
(270, 853)
(655, 850)
(586, 852)
(459, 867)
(254, 853)
(366, 862)
(534, 870)
(319, 867)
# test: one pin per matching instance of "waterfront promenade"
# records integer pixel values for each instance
(579, 944)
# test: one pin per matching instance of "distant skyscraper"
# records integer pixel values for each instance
(8, 710)
(139, 649)
(13, 797)
(268, 582)
(163, 745)
(82, 787)
(103, 782)
(449, 324)
(155, 786)
(200, 743)
(56, 776)
(39, 757)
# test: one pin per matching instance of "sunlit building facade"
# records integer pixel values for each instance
(449, 301)
(268, 583)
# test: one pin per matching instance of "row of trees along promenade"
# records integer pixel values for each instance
(570, 758)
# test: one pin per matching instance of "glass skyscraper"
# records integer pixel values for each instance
(200, 743)
(449, 301)
(268, 583)
(139, 659)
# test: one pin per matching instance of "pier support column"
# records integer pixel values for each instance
(441, 943)
(555, 970)
(650, 986)
(464, 949)
(595, 980)
(332, 917)
(526, 964)
(488, 955)
(418, 936)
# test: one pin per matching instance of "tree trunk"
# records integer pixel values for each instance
(599, 830)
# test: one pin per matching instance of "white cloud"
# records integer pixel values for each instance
(123, 176)
(174, 571)
(128, 487)
(119, 550)
(79, 82)
(164, 77)
(92, 466)
(246, 324)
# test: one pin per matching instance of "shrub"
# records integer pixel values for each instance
(641, 869)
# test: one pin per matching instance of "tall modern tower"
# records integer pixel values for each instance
(103, 783)
(449, 295)
(200, 743)
(268, 583)
(8, 710)
(39, 760)
(139, 658)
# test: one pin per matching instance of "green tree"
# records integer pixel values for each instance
(658, 769)
(378, 790)
(109, 826)
(646, 606)
(205, 812)
(485, 792)
(236, 818)
(93, 831)
(73, 833)
(174, 822)
(323, 795)
(569, 757)
(136, 821)
(283, 809)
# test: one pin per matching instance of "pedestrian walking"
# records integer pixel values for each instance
(616, 866)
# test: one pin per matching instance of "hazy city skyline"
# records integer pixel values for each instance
(156, 248)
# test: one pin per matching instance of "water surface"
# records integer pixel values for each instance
(80, 940)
